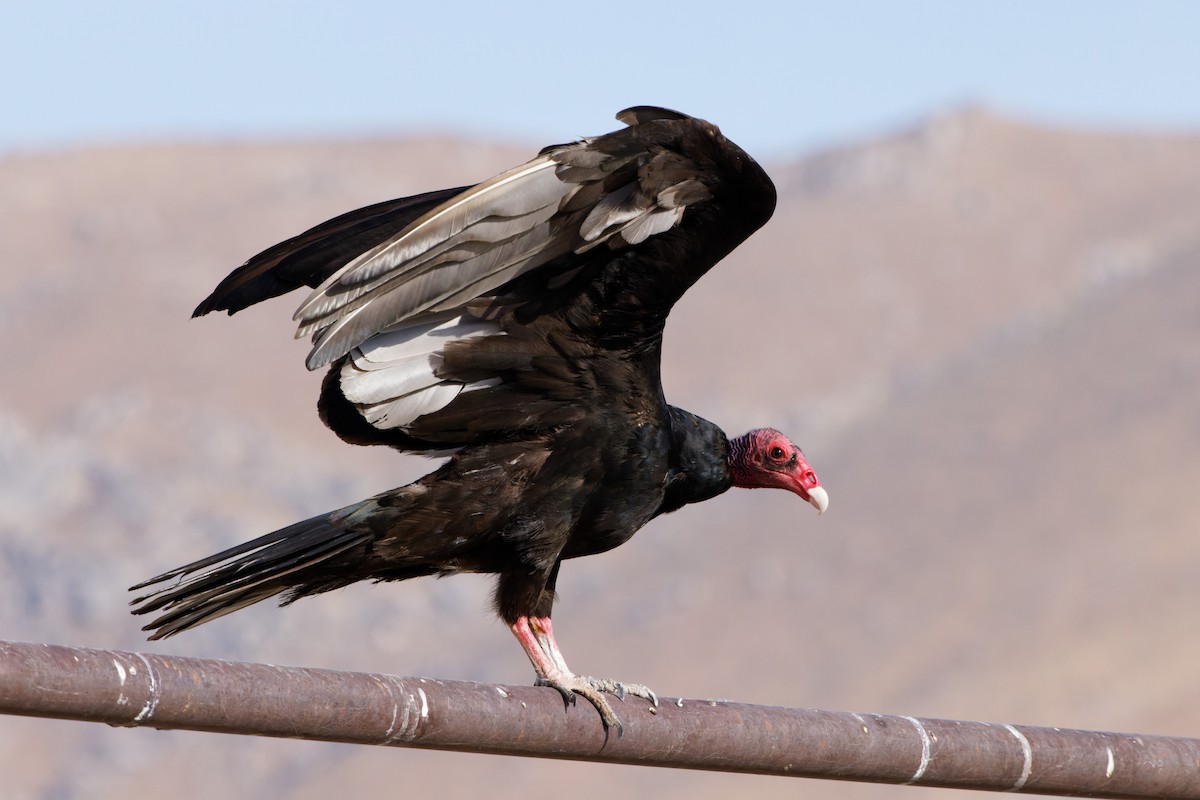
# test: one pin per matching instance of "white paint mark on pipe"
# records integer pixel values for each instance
(926, 750)
(1027, 752)
(152, 701)
(120, 671)
(387, 737)
(121, 698)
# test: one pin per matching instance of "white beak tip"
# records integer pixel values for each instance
(819, 499)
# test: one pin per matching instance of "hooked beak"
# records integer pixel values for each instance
(806, 484)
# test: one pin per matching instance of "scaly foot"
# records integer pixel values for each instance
(592, 689)
(621, 689)
(569, 685)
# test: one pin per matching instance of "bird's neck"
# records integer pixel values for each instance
(699, 461)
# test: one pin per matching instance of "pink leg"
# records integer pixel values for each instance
(544, 631)
(536, 638)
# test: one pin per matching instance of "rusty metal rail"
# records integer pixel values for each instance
(143, 689)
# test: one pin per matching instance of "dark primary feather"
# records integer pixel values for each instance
(306, 259)
(516, 325)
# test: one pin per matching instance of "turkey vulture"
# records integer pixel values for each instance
(515, 326)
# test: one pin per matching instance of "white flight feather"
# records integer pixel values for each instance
(613, 209)
(648, 225)
(449, 261)
(543, 188)
(392, 377)
(431, 337)
(403, 410)
(442, 288)
(473, 241)
(410, 375)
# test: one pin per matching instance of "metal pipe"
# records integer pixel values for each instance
(145, 689)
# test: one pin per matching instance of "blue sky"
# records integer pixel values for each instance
(780, 78)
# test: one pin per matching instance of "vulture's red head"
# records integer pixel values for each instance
(765, 458)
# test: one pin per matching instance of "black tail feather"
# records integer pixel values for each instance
(288, 560)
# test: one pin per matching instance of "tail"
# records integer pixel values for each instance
(312, 556)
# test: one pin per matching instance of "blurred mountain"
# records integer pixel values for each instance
(985, 332)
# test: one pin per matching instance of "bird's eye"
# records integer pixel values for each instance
(777, 453)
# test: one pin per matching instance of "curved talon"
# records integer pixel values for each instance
(568, 695)
(571, 685)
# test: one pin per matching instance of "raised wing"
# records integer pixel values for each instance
(418, 295)
(614, 191)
